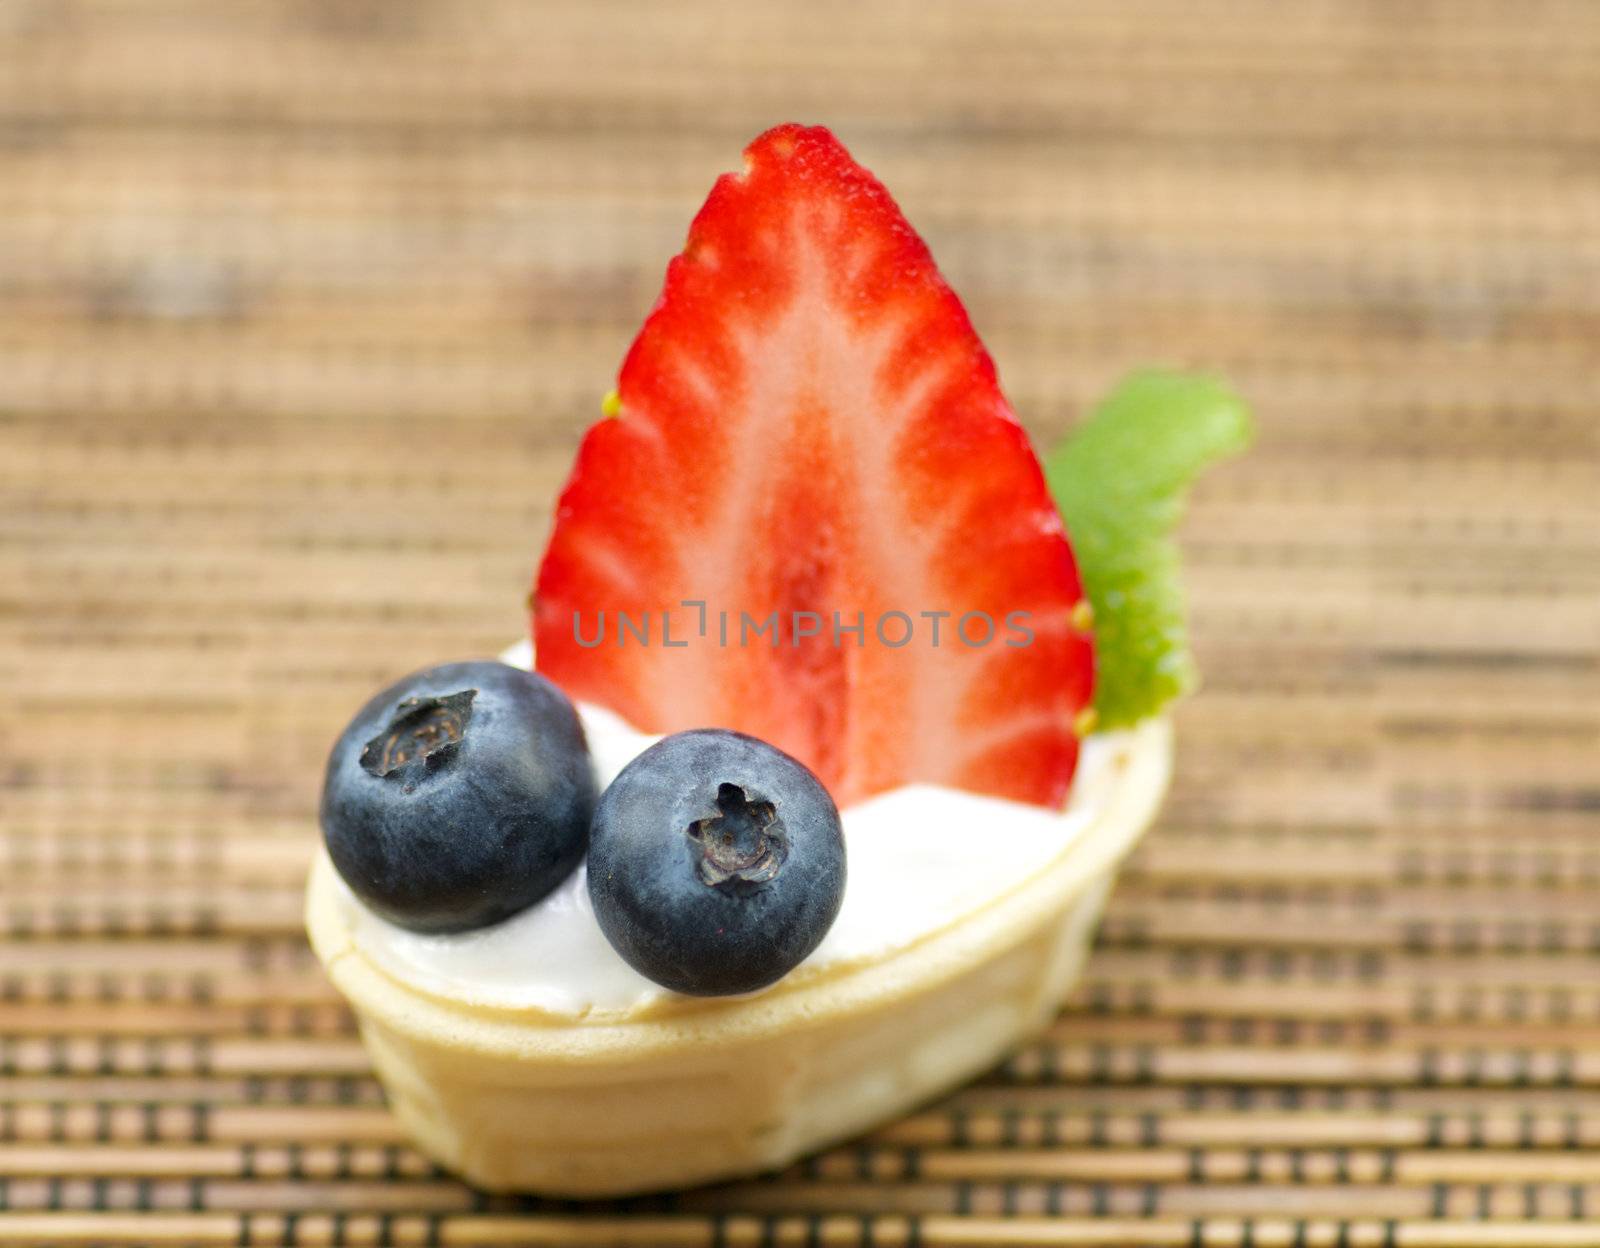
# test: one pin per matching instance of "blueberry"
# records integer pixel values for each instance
(716, 863)
(459, 796)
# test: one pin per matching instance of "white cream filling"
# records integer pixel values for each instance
(918, 859)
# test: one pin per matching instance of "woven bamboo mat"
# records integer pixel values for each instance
(302, 308)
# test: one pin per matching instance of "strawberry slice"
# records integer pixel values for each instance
(807, 423)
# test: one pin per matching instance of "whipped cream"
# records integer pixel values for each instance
(918, 859)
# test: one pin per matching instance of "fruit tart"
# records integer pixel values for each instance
(801, 803)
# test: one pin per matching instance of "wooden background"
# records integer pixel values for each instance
(302, 308)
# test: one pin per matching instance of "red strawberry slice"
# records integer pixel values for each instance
(808, 423)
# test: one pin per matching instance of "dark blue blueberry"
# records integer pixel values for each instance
(459, 796)
(716, 863)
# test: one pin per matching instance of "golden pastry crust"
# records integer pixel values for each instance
(514, 1100)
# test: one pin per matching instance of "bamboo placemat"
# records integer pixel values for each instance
(302, 308)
